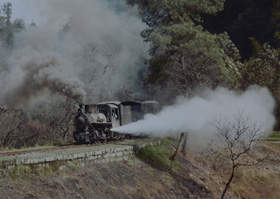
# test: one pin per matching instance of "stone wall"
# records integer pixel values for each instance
(120, 151)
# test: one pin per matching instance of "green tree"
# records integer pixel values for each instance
(18, 25)
(275, 19)
(7, 33)
(183, 54)
(263, 69)
(7, 10)
(243, 19)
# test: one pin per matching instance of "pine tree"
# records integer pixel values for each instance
(7, 27)
(183, 54)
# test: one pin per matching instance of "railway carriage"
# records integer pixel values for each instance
(94, 121)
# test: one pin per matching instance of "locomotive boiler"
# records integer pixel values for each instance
(94, 121)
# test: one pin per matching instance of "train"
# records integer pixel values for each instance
(93, 122)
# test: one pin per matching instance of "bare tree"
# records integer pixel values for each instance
(17, 131)
(98, 67)
(64, 117)
(59, 114)
(235, 144)
(10, 121)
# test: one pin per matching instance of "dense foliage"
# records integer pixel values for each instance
(183, 54)
(203, 43)
(243, 19)
(193, 44)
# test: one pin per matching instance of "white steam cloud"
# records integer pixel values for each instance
(196, 115)
(100, 50)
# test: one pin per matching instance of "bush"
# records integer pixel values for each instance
(275, 136)
(158, 157)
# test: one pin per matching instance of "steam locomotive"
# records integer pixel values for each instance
(94, 121)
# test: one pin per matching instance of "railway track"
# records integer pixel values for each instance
(56, 148)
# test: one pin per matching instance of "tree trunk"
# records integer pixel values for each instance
(229, 181)
(177, 149)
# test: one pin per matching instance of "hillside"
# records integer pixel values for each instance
(192, 176)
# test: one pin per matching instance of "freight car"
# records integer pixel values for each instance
(94, 121)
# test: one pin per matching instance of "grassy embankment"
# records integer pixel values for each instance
(159, 156)
(259, 181)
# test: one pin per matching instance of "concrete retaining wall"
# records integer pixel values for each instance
(96, 154)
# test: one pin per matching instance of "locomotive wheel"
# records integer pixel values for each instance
(93, 138)
(115, 136)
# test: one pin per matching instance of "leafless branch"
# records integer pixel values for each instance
(234, 142)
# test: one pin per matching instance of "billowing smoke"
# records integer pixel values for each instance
(79, 49)
(38, 73)
(197, 115)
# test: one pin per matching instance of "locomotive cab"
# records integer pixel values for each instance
(112, 113)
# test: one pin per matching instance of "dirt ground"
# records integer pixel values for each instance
(136, 179)
(132, 179)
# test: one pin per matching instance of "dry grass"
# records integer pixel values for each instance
(254, 182)
(260, 181)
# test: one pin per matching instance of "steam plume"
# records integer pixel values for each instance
(196, 115)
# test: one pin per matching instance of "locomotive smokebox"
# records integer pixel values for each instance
(80, 121)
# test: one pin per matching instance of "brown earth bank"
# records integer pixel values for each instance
(132, 179)
(192, 176)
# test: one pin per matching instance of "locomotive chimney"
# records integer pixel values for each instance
(81, 108)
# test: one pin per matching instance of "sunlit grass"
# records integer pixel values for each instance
(159, 156)
(275, 136)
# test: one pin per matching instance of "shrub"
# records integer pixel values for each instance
(158, 157)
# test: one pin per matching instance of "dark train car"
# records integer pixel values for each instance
(93, 122)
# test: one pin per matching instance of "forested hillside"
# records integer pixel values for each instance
(153, 50)
(198, 44)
